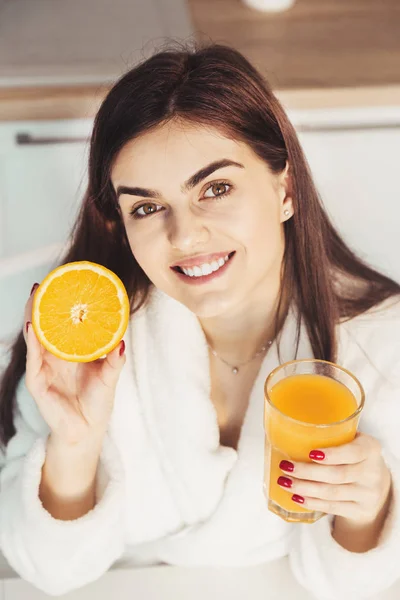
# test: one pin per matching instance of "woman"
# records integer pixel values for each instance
(201, 200)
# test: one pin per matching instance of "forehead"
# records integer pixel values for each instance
(174, 149)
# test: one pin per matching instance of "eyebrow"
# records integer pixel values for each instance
(188, 185)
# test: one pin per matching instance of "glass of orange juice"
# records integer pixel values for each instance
(309, 404)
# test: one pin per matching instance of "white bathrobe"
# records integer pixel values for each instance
(169, 493)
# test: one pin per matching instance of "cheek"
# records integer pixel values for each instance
(261, 230)
(145, 250)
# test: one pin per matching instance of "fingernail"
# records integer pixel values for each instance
(27, 326)
(298, 499)
(316, 455)
(35, 285)
(286, 465)
(122, 349)
(285, 482)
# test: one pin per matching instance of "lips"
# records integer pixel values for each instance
(205, 273)
(202, 269)
(197, 261)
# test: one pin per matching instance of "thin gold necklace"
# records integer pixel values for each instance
(235, 368)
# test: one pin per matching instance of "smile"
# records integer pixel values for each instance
(206, 268)
(204, 272)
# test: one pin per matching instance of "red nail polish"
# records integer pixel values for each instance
(285, 482)
(35, 285)
(298, 499)
(316, 455)
(27, 326)
(122, 349)
(286, 465)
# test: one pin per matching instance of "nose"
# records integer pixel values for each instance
(187, 231)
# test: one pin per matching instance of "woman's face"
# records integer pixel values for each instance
(203, 215)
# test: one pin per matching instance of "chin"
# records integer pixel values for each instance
(208, 307)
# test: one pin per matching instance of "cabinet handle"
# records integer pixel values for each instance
(341, 127)
(26, 139)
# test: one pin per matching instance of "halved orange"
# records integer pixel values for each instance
(80, 311)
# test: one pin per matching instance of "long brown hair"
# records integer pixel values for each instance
(213, 85)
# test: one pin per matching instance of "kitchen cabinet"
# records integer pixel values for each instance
(43, 177)
(42, 181)
(353, 154)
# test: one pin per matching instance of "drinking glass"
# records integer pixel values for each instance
(307, 419)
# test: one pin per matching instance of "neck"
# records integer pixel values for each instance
(239, 334)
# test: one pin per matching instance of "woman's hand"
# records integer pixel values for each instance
(350, 481)
(75, 399)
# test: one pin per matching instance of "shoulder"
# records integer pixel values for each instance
(374, 337)
(380, 319)
(369, 347)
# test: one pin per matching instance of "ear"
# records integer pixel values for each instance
(285, 193)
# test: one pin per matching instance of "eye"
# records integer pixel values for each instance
(218, 189)
(145, 210)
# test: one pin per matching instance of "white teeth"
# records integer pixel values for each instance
(206, 268)
(197, 271)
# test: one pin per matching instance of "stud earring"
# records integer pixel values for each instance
(287, 213)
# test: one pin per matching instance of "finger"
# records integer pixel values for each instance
(361, 448)
(347, 492)
(112, 365)
(28, 309)
(349, 510)
(34, 355)
(337, 474)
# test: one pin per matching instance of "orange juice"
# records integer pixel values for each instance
(311, 413)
